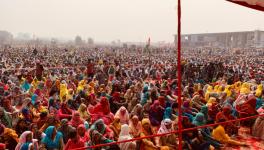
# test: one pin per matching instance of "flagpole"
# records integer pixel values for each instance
(179, 75)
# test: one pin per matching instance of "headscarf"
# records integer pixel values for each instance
(99, 122)
(168, 113)
(204, 110)
(116, 126)
(199, 119)
(11, 133)
(102, 139)
(5, 119)
(123, 115)
(85, 138)
(163, 128)
(228, 91)
(48, 141)
(23, 144)
(144, 122)
(137, 110)
(245, 88)
(155, 106)
(124, 135)
(63, 90)
(76, 119)
(135, 129)
(162, 101)
(65, 109)
(83, 112)
(103, 106)
(259, 91)
(34, 99)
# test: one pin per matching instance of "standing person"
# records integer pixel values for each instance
(39, 70)
(90, 69)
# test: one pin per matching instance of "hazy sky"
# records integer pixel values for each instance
(127, 20)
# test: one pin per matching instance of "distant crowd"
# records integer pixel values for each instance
(67, 98)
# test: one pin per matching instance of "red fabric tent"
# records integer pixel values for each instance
(254, 4)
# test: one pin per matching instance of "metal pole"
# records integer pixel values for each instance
(179, 75)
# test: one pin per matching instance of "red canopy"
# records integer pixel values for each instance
(254, 4)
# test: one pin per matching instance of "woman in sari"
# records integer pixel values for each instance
(135, 126)
(188, 110)
(156, 113)
(53, 139)
(167, 140)
(247, 109)
(38, 135)
(84, 113)
(148, 143)
(232, 128)
(220, 135)
(51, 121)
(102, 128)
(5, 118)
(10, 138)
(137, 111)
(102, 110)
(21, 126)
(115, 126)
(83, 133)
(64, 111)
(76, 120)
(26, 142)
(124, 135)
(199, 120)
(42, 119)
(97, 138)
(258, 128)
(64, 128)
(193, 139)
(74, 141)
(168, 114)
(123, 115)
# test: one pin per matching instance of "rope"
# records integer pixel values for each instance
(173, 132)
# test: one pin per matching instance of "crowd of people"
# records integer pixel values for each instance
(62, 99)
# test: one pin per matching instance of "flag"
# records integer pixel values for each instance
(254, 4)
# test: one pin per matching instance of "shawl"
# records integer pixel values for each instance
(83, 112)
(199, 119)
(204, 110)
(23, 144)
(5, 119)
(124, 135)
(123, 115)
(48, 141)
(135, 129)
(84, 137)
(163, 128)
(76, 120)
(168, 113)
(96, 124)
(103, 107)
